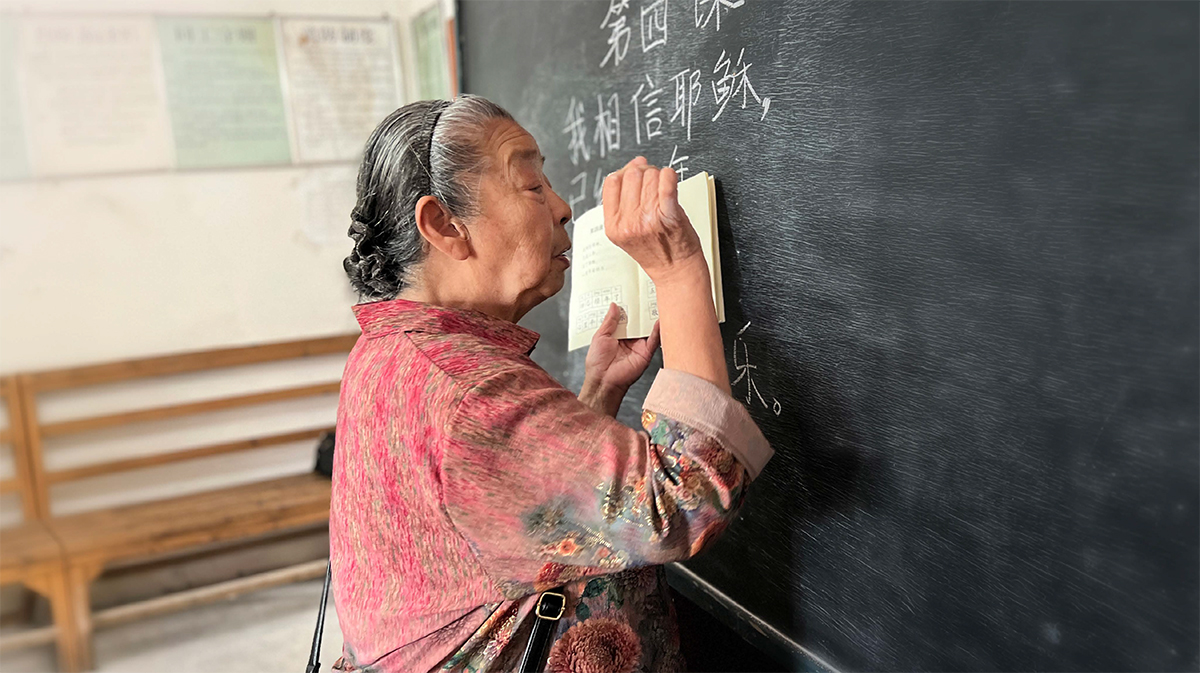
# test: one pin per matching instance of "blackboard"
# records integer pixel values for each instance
(960, 252)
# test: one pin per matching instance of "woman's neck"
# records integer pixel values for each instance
(450, 297)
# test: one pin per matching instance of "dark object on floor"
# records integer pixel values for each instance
(325, 455)
(711, 647)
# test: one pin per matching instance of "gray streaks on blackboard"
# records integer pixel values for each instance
(964, 236)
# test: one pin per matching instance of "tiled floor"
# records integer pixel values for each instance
(263, 632)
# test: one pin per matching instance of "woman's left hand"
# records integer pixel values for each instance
(613, 364)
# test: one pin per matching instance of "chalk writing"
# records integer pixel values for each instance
(714, 9)
(649, 118)
(687, 93)
(735, 81)
(581, 194)
(577, 128)
(572, 197)
(676, 162)
(598, 186)
(608, 124)
(654, 24)
(618, 38)
(745, 368)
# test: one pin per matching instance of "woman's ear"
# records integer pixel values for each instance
(434, 223)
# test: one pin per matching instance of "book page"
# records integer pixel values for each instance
(611, 275)
(697, 197)
(696, 200)
(648, 298)
(601, 273)
(714, 260)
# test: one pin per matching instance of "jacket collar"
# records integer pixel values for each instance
(392, 315)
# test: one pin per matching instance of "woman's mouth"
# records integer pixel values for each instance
(562, 257)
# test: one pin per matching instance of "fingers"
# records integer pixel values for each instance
(650, 190)
(668, 188)
(610, 322)
(611, 196)
(631, 188)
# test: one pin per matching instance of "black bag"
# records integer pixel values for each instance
(325, 455)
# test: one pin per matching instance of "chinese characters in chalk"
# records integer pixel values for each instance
(579, 190)
(608, 124)
(654, 24)
(646, 111)
(731, 83)
(577, 128)
(618, 37)
(665, 107)
(707, 10)
(687, 93)
(746, 373)
(676, 162)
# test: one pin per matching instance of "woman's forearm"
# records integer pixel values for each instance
(691, 337)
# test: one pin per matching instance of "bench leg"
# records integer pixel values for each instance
(52, 583)
(79, 580)
(62, 606)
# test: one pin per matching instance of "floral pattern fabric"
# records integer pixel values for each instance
(467, 480)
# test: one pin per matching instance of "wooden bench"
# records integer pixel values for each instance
(30, 555)
(88, 542)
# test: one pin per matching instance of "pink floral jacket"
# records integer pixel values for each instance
(466, 479)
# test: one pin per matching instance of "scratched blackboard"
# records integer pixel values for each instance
(959, 244)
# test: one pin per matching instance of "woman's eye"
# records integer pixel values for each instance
(538, 189)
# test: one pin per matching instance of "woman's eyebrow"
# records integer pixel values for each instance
(531, 155)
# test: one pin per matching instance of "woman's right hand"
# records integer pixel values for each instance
(642, 216)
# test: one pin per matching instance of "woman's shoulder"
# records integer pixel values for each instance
(469, 359)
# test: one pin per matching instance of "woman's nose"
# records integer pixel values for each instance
(561, 209)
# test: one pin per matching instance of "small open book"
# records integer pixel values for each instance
(602, 273)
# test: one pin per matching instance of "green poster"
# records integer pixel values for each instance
(433, 68)
(223, 92)
(14, 156)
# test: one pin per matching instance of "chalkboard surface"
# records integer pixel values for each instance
(960, 251)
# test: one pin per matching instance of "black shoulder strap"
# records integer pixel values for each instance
(314, 657)
(547, 611)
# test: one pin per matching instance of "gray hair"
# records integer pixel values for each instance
(431, 147)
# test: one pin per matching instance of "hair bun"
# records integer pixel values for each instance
(400, 165)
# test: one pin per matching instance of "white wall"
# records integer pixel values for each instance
(102, 268)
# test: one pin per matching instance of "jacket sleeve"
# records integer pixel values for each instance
(547, 491)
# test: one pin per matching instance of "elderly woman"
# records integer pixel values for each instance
(466, 479)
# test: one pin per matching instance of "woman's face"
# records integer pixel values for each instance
(520, 233)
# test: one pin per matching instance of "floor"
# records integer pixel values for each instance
(271, 630)
(263, 632)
